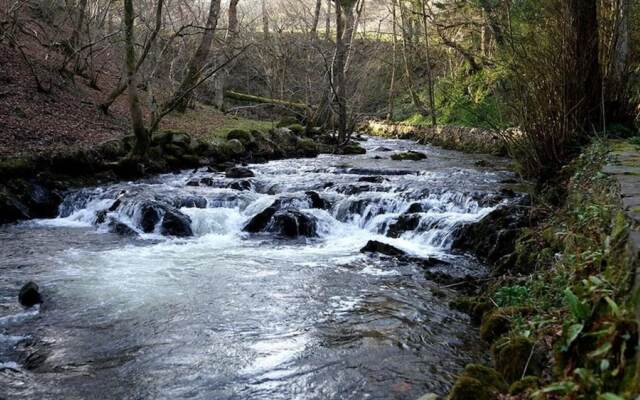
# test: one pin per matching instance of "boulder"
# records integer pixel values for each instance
(174, 223)
(307, 148)
(404, 223)
(409, 155)
(516, 354)
(373, 246)
(297, 129)
(149, 217)
(317, 201)
(30, 295)
(11, 209)
(232, 148)
(193, 182)
(382, 149)
(293, 223)
(240, 185)
(260, 221)
(121, 229)
(206, 181)
(246, 138)
(415, 208)
(353, 149)
(190, 202)
(373, 179)
(239, 172)
(161, 138)
(181, 139)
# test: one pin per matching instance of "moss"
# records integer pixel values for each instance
(307, 148)
(353, 149)
(514, 356)
(232, 148)
(243, 136)
(297, 129)
(480, 309)
(286, 121)
(161, 138)
(487, 376)
(16, 167)
(409, 156)
(468, 388)
(524, 385)
(494, 325)
(174, 149)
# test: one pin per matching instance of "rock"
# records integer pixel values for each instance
(297, 129)
(374, 246)
(246, 138)
(524, 386)
(30, 295)
(181, 139)
(429, 396)
(174, 150)
(494, 325)
(206, 181)
(372, 179)
(409, 155)
(174, 223)
(193, 182)
(240, 185)
(112, 149)
(415, 208)
(494, 236)
(190, 202)
(487, 375)
(317, 201)
(307, 148)
(232, 148)
(468, 388)
(382, 149)
(352, 149)
(260, 221)
(286, 121)
(483, 164)
(121, 229)
(404, 223)
(239, 172)
(149, 217)
(293, 223)
(161, 138)
(11, 209)
(512, 357)
(101, 217)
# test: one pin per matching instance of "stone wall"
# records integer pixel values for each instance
(471, 140)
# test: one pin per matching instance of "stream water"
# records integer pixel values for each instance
(227, 314)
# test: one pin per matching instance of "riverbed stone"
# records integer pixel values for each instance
(409, 156)
(373, 246)
(373, 179)
(260, 221)
(30, 295)
(293, 223)
(317, 201)
(241, 186)
(239, 172)
(245, 137)
(174, 223)
(404, 223)
(353, 149)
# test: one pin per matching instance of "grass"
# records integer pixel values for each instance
(207, 123)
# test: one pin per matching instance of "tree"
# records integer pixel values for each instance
(141, 145)
(220, 79)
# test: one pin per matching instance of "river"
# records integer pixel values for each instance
(227, 314)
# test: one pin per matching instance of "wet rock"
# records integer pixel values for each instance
(232, 148)
(404, 223)
(306, 148)
(373, 246)
(206, 181)
(101, 217)
(483, 164)
(382, 149)
(353, 149)
(149, 217)
(190, 202)
(239, 172)
(512, 357)
(175, 223)
(121, 229)
(317, 201)
(409, 156)
(42, 202)
(293, 223)
(260, 221)
(240, 185)
(373, 179)
(11, 209)
(30, 295)
(494, 236)
(193, 182)
(415, 208)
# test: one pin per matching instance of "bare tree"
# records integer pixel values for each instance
(220, 79)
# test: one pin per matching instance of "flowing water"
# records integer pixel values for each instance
(226, 314)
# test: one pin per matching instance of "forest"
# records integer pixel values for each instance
(320, 199)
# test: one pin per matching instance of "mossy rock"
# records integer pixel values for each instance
(191, 160)
(480, 309)
(524, 385)
(155, 153)
(258, 135)
(495, 324)
(243, 136)
(297, 129)
(307, 148)
(468, 388)
(112, 149)
(287, 121)
(174, 150)
(486, 375)
(161, 138)
(200, 147)
(16, 167)
(409, 156)
(180, 138)
(463, 303)
(514, 355)
(128, 141)
(232, 148)
(353, 149)
(75, 163)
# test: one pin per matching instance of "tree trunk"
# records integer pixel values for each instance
(394, 40)
(327, 28)
(617, 108)
(316, 19)
(585, 82)
(265, 20)
(74, 41)
(432, 103)
(339, 77)
(417, 103)
(220, 79)
(199, 59)
(122, 86)
(141, 145)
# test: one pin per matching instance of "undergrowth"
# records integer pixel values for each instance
(576, 292)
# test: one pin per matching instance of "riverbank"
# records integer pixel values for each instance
(469, 140)
(561, 314)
